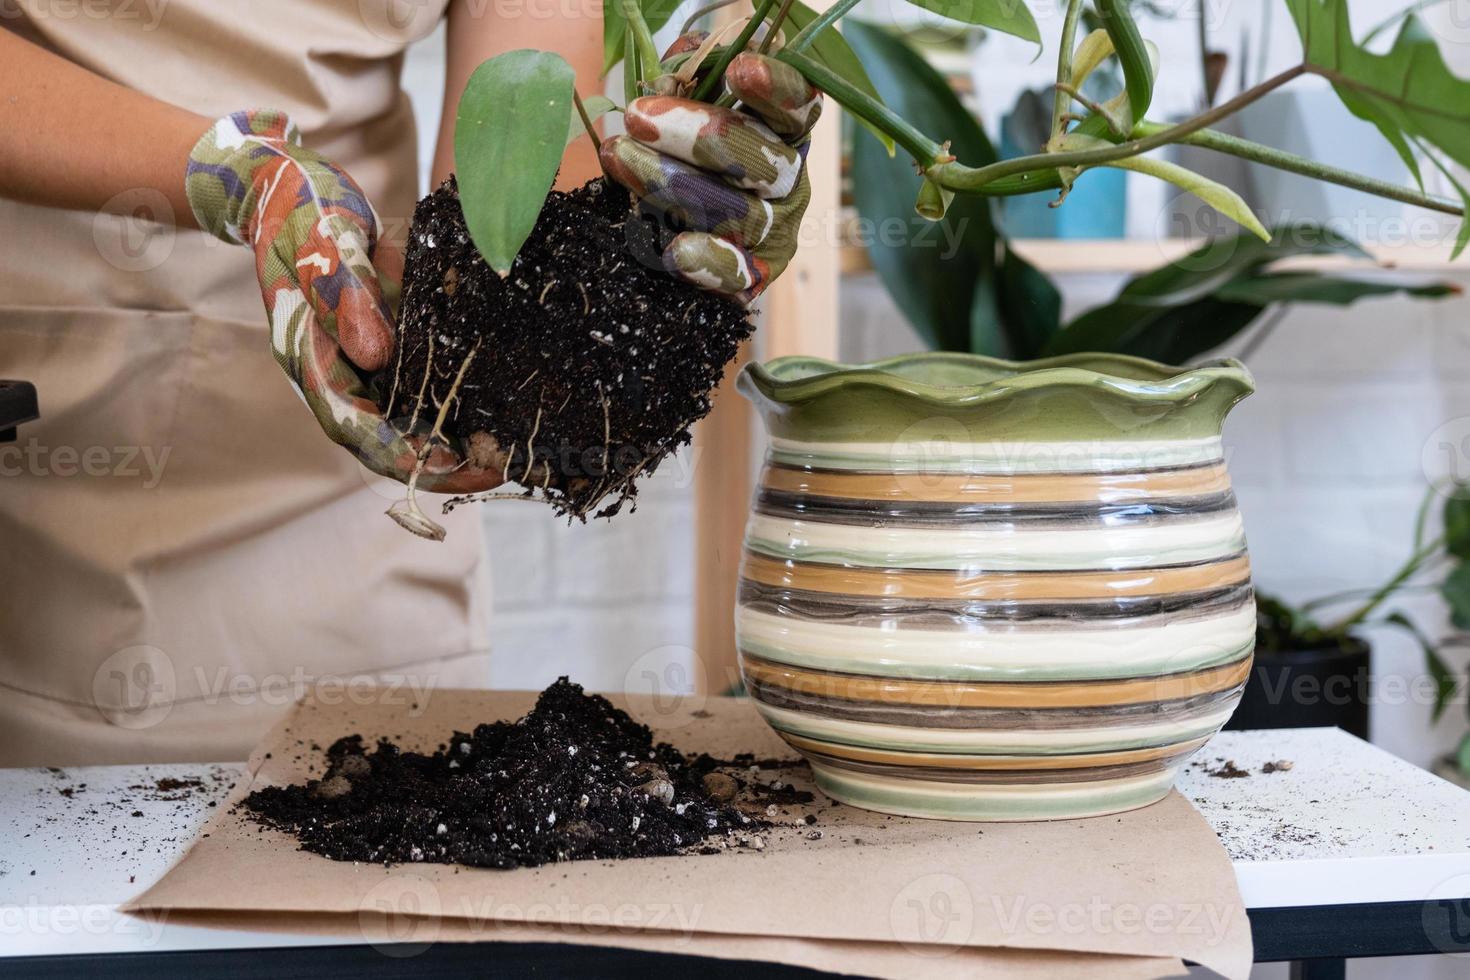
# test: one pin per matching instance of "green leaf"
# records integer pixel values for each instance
(1007, 16)
(1312, 287)
(1196, 303)
(831, 49)
(1211, 266)
(509, 136)
(1173, 335)
(931, 269)
(1093, 50)
(615, 25)
(1030, 304)
(1456, 591)
(597, 106)
(1444, 678)
(987, 331)
(1215, 194)
(1457, 526)
(1133, 55)
(1407, 92)
(1462, 238)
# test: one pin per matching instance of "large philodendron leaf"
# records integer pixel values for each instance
(1406, 92)
(1007, 16)
(1191, 306)
(932, 269)
(509, 137)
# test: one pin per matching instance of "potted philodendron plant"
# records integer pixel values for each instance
(984, 298)
(496, 259)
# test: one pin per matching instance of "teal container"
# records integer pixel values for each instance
(1097, 207)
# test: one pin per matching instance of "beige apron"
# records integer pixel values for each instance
(182, 551)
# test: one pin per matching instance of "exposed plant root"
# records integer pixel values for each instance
(407, 512)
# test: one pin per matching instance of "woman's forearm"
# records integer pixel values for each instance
(76, 140)
(477, 32)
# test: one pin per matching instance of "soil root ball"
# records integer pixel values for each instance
(599, 360)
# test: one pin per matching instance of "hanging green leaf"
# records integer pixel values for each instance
(931, 269)
(1030, 304)
(1457, 526)
(1213, 193)
(1006, 16)
(1406, 92)
(1444, 678)
(1456, 591)
(597, 106)
(1212, 265)
(1313, 287)
(1188, 307)
(1093, 50)
(509, 136)
(1133, 55)
(1174, 335)
(831, 49)
(1462, 237)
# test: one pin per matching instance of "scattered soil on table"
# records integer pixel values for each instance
(574, 779)
(1228, 770)
(583, 368)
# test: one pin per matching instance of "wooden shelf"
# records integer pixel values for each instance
(1104, 256)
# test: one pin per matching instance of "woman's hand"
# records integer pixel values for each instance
(733, 182)
(329, 282)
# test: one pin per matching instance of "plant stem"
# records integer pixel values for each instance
(959, 177)
(1333, 598)
(922, 148)
(586, 121)
(1388, 588)
(808, 34)
(776, 23)
(1404, 14)
(1067, 47)
(708, 8)
(1421, 519)
(1281, 160)
(717, 74)
(648, 59)
(1206, 97)
(630, 69)
(1117, 126)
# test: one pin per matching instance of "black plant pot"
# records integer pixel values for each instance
(1320, 688)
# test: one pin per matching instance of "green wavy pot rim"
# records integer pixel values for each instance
(937, 378)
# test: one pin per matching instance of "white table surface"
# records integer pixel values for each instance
(1347, 823)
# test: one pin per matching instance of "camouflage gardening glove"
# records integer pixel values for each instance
(733, 182)
(327, 280)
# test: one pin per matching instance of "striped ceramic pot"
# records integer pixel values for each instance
(983, 590)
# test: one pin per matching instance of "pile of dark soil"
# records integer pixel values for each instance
(588, 362)
(574, 779)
